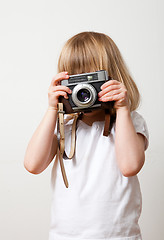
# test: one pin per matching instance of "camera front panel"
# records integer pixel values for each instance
(88, 84)
(96, 86)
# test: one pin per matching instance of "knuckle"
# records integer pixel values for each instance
(110, 82)
(49, 91)
(111, 87)
(125, 92)
(54, 78)
(55, 94)
(108, 88)
(68, 89)
(111, 97)
(114, 81)
(61, 75)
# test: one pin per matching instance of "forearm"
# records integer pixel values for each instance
(38, 150)
(128, 144)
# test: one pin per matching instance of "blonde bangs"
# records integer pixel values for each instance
(92, 51)
(81, 55)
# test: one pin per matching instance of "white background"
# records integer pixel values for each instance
(31, 36)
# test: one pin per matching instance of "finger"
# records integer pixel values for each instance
(60, 76)
(108, 89)
(60, 93)
(108, 83)
(111, 93)
(60, 87)
(116, 97)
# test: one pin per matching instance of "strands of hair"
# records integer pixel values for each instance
(93, 51)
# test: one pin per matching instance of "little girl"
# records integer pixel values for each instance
(103, 200)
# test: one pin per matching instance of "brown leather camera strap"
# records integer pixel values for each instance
(61, 140)
(107, 123)
(61, 143)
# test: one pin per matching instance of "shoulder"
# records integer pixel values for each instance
(138, 120)
(136, 115)
(140, 126)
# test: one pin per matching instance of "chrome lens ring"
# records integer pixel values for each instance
(90, 101)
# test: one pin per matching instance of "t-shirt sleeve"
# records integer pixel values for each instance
(140, 126)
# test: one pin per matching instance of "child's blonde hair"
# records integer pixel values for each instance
(93, 51)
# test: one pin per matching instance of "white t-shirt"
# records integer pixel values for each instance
(100, 202)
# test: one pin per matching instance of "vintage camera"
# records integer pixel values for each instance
(85, 88)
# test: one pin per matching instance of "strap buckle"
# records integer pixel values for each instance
(60, 111)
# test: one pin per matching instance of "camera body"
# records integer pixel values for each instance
(85, 88)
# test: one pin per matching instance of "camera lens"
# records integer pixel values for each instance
(83, 95)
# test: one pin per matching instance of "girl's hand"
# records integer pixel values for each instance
(56, 89)
(114, 90)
